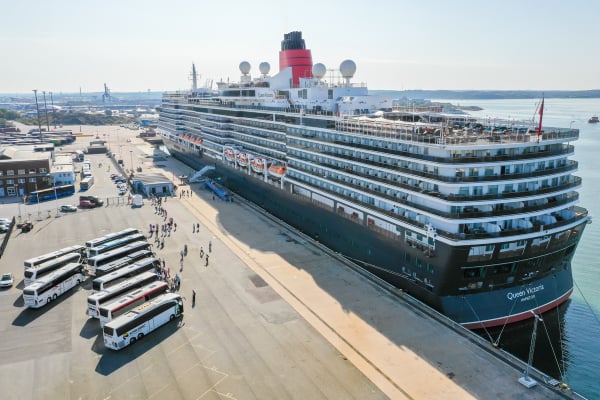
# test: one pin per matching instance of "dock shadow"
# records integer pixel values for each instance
(112, 360)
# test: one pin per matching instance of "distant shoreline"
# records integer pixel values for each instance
(490, 94)
(411, 94)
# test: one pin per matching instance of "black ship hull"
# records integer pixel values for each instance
(387, 256)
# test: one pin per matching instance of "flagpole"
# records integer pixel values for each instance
(541, 117)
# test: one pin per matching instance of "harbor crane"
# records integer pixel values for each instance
(106, 95)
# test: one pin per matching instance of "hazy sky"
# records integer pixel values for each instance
(65, 45)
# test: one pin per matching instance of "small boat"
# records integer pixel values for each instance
(229, 154)
(594, 120)
(277, 170)
(244, 159)
(258, 165)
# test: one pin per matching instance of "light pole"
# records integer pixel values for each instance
(38, 112)
(46, 111)
(19, 202)
(131, 155)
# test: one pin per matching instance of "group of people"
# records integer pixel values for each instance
(185, 193)
(163, 230)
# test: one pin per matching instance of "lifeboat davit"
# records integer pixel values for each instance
(277, 170)
(229, 154)
(244, 159)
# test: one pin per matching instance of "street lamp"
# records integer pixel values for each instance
(131, 154)
(19, 202)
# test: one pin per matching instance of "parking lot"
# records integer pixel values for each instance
(241, 340)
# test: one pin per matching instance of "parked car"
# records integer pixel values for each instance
(86, 204)
(5, 221)
(68, 208)
(3, 228)
(26, 226)
(6, 280)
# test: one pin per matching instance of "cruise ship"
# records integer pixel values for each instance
(479, 221)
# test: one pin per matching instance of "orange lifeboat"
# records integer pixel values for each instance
(277, 170)
(258, 165)
(229, 154)
(243, 159)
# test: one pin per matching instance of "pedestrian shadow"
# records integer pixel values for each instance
(112, 360)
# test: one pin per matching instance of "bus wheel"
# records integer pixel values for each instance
(49, 300)
(140, 336)
(54, 297)
(132, 341)
(171, 317)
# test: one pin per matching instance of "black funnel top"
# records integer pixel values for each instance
(293, 41)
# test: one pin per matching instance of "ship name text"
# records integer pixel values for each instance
(525, 294)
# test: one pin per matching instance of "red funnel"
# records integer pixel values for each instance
(294, 54)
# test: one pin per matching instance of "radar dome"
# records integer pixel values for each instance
(347, 68)
(245, 67)
(319, 70)
(264, 68)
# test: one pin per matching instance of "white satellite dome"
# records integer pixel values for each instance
(245, 67)
(319, 70)
(264, 68)
(347, 68)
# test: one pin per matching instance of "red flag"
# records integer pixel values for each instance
(541, 116)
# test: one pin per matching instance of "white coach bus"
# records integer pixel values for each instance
(32, 262)
(34, 273)
(47, 289)
(130, 300)
(97, 299)
(133, 325)
(125, 272)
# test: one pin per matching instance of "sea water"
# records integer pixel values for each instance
(568, 339)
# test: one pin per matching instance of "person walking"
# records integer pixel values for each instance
(198, 228)
(206, 261)
(209, 246)
(193, 298)
(193, 228)
(201, 252)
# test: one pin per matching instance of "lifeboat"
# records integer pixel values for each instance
(244, 159)
(277, 170)
(229, 154)
(258, 165)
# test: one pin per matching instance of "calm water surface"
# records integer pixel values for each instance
(568, 340)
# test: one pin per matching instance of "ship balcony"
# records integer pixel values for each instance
(573, 182)
(570, 166)
(473, 213)
(580, 215)
(468, 158)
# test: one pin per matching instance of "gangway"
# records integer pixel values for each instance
(197, 177)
